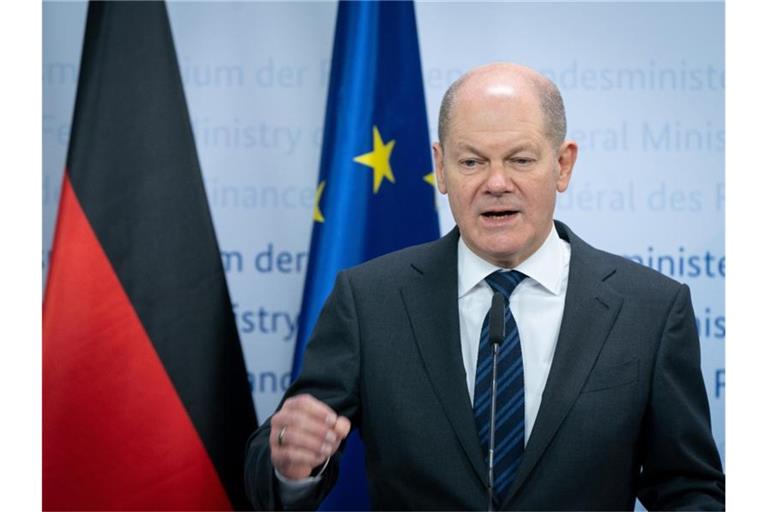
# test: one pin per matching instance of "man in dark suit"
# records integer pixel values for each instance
(610, 403)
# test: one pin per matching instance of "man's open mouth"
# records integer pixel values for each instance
(500, 214)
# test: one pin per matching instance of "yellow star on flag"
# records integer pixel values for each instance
(378, 160)
(430, 178)
(317, 215)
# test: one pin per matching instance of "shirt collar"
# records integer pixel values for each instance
(545, 266)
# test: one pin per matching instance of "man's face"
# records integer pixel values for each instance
(501, 172)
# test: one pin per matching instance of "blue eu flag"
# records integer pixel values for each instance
(375, 192)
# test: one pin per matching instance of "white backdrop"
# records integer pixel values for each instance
(643, 85)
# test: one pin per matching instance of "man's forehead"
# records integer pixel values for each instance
(483, 145)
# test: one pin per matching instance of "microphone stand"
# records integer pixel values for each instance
(492, 439)
(496, 334)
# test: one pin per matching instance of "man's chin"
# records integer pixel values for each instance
(505, 255)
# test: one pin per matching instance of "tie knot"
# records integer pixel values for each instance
(505, 282)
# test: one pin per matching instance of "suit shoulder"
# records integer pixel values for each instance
(633, 277)
(396, 267)
(392, 261)
(623, 274)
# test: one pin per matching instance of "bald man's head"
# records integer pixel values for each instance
(513, 76)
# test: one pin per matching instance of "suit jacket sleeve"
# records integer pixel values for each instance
(681, 467)
(330, 373)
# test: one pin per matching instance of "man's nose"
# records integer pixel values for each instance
(497, 178)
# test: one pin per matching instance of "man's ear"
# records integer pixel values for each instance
(437, 153)
(566, 159)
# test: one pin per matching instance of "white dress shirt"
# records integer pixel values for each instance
(537, 304)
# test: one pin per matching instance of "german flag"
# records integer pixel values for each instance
(146, 403)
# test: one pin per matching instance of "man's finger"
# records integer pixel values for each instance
(299, 440)
(312, 407)
(298, 421)
(342, 427)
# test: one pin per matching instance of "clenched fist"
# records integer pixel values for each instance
(305, 433)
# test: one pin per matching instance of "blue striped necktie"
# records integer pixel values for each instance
(510, 394)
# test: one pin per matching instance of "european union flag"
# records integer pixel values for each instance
(375, 192)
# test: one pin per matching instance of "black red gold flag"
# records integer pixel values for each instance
(146, 403)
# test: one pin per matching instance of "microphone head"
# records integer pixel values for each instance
(496, 319)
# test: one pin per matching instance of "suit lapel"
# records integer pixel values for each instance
(433, 291)
(590, 311)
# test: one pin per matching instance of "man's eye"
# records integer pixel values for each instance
(522, 161)
(469, 163)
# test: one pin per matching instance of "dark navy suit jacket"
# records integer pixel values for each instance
(624, 413)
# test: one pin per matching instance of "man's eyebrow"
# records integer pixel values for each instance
(464, 146)
(519, 146)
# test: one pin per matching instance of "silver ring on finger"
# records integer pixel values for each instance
(281, 436)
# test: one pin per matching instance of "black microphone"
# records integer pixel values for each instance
(496, 334)
(496, 321)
